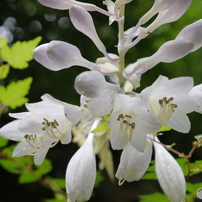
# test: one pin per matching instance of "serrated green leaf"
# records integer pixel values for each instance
(183, 164)
(13, 94)
(20, 53)
(27, 177)
(103, 126)
(3, 142)
(157, 197)
(3, 42)
(4, 70)
(45, 168)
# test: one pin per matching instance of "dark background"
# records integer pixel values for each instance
(27, 19)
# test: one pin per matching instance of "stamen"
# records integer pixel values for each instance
(121, 181)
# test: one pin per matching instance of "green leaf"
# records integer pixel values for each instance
(20, 53)
(4, 70)
(99, 179)
(3, 142)
(198, 137)
(10, 166)
(45, 168)
(3, 42)
(103, 126)
(13, 94)
(157, 197)
(183, 164)
(164, 128)
(27, 177)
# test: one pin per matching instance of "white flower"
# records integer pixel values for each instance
(46, 123)
(169, 101)
(97, 107)
(168, 52)
(58, 55)
(158, 6)
(169, 174)
(92, 84)
(169, 15)
(83, 22)
(81, 171)
(133, 163)
(196, 94)
(130, 122)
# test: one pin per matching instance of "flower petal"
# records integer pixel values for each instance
(169, 174)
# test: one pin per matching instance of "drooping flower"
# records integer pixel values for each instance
(168, 52)
(81, 171)
(169, 174)
(58, 55)
(130, 122)
(133, 163)
(46, 123)
(169, 101)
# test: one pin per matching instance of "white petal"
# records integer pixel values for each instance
(170, 15)
(158, 6)
(169, 174)
(81, 172)
(40, 155)
(133, 164)
(83, 21)
(90, 84)
(193, 33)
(40, 55)
(59, 4)
(11, 131)
(65, 55)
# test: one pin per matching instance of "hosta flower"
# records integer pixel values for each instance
(133, 163)
(170, 15)
(46, 123)
(196, 94)
(58, 55)
(83, 22)
(169, 174)
(169, 101)
(168, 52)
(99, 106)
(130, 122)
(81, 171)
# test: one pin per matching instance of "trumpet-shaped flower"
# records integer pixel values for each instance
(169, 174)
(130, 122)
(46, 123)
(133, 163)
(169, 101)
(81, 171)
(99, 106)
(58, 55)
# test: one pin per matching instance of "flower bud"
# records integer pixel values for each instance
(90, 84)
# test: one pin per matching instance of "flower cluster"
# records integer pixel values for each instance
(133, 119)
